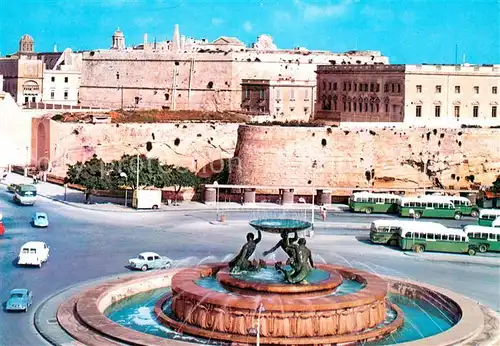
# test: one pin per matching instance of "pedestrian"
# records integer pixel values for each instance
(323, 212)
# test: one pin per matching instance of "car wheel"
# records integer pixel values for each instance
(155, 207)
(417, 215)
(483, 248)
(458, 216)
(474, 213)
(368, 210)
(144, 268)
(168, 265)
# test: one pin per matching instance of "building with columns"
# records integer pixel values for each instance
(419, 95)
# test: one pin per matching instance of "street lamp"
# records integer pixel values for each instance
(216, 184)
(124, 175)
(314, 165)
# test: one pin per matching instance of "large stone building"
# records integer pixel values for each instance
(200, 75)
(41, 77)
(432, 95)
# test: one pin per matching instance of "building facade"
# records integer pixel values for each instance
(62, 79)
(420, 95)
(192, 74)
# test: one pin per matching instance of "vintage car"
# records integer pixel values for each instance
(150, 260)
(40, 220)
(33, 253)
(20, 299)
(12, 187)
(2, 227)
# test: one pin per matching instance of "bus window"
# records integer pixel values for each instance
(498, 237)
(435, 205)
(463, 238)
(438, 236)
(430, 236)
(417, 204)
(445, 237)
(492, 236)
(484, 235)
(477, 235)
(409, 235)
(421, 235)
(470, 235)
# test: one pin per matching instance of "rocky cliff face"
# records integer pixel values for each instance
(386, 158)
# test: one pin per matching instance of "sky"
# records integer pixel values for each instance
(407, 31)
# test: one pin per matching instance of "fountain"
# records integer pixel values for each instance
(253, 302)
(294, 303)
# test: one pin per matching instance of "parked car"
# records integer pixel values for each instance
(40, 220)
(12, 187)
(33, 253)
(150, 260)
(20, 299)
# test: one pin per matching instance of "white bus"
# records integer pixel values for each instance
(25, 194)
(488, 216)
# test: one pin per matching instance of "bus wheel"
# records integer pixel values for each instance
(471, 252)
(458, 216)
(417, 215)
(483, 248)
(368, 210)
(393, 242)
(419, 248)
(474, 213)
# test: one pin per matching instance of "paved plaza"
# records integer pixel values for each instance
(88, 244)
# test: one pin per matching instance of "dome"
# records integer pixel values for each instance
(27, 38)
(118, 33)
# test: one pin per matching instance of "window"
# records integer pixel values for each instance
(345, 86)
(292, 94)
(437, 111)
(329, 85)
(334, 105)
(494, 90)
(247, 94)
(354, 104)
(438, 89)
(399, 88)
(372, 87)
(349, 105)
(349, 86)
(360, 107)
(386, 108)
(324, 85)
(355, 86)
(372, 109)
(493, 111)
(66, 79)
(261, 94)
(386, 88)
(52, 95)
(65, 94)
(345, 106)
(334, 86)
(137, 100)
(150, 258)
(306, 94)
(52, 79)
(476, 89)
(475, 111)
(457, 89)
(392, 87)
(377, 88)
(457, 111)
(167, 95)
(419, 89)
(366, 107)
(418, 111)
(377, 112)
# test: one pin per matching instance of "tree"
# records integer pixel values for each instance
(496, 185)
(93, 174)
(150, 171)
(179, 177)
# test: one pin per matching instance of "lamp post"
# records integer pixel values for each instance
(137, 171)
(124, 175)
(314, 165)
(216, 184)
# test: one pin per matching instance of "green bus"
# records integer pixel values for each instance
(386, 231)
(434, 237)
(488, 216)
(428, 206)
(485, 238)
(462, 204)
(370, 202)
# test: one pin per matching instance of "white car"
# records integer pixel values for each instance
(33, 253)
(40, 220)
(150, 260)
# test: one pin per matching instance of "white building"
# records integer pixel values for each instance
(62, 80)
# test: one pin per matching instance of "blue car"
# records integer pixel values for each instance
(20, 300)
(40, 220)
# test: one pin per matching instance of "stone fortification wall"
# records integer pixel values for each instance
(197, 81)
(409, 158)
(192, 145)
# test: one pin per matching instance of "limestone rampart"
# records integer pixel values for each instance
(191, 145)
(384, 158)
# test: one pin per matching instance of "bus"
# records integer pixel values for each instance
(485, 238)
(462, 204)
(434, 237)
(386, 231)
(370, 202)
(25, 194)
(428, 206)
(487, 216)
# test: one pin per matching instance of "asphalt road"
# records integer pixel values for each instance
(86, 244)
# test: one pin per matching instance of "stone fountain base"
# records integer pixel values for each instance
(290, 314)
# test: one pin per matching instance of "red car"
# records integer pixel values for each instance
(2, 228)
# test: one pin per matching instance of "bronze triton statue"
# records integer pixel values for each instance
(301, 262)
(241, 262)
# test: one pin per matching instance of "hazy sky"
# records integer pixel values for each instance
(407, 31)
